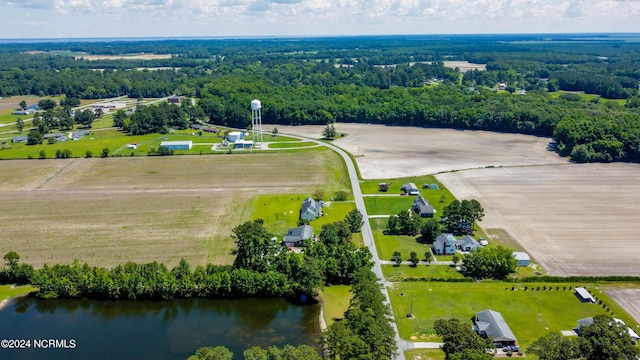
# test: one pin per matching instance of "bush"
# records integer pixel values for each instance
(340, 196)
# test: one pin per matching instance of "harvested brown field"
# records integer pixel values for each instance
(573, 219)
(125, 57)
(109, 211)
(12, 102)
(394, 151)
(629, 300)
(465, 66)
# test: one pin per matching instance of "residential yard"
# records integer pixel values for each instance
(336, 302)
(424, 354)
(113, 210)
(388, 244)
(387, 205)
(422, 271)
(530, 314)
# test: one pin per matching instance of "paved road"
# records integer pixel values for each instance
(367, 234)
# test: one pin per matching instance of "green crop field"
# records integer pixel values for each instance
(530, 314)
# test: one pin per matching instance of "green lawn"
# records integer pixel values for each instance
(371, 186)
(336, 301)
(530, 314)
(7, 291)
(388, 244)
(290, 144)
(424, 354)
(387, 205)
(422, 271)
(281, 212)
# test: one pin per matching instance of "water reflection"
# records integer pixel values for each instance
(160, 330)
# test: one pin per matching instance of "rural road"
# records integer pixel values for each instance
(367, 236)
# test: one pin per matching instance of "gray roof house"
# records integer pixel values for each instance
(410, 189)
(491, 324)
(445, 244)
(422, 207)
(310, 210)
(297, 236)
(19, 139)
(467, 243)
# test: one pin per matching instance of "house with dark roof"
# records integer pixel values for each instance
(174, 99)
(491, 324)
(410, 189)
(297, 236)
(422, 207)
(59, 137)
(445, 244)
(310, 210)
(467, 243)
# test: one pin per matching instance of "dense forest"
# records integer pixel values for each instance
(393, 80)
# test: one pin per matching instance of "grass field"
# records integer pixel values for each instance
(388, 244)
(530, 314)
(387, 205)
(109, 211)
(336, 301)
(7, 291)
(424, 354)
(404, 272)
(290, 144)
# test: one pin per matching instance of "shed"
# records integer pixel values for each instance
(491, 324)
(174, 99)
(177, 145)
(522, 258)
(410, 189)
(297, 236)
(584, 295)
(434, 186)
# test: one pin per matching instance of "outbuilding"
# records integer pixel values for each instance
(177, 145)
(410, 189)
(522, 258)
(584, 295)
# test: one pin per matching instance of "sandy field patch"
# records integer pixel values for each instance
(394, 151)
(110, 211)
(629, 300)
(125, 57)
(465, 66)
(572, 219)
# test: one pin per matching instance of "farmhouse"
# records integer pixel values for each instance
(422, 207)
(448, 244)
(310, 210)
(467, 244)
(522, 258)
(445, 244)
(177, 145)
(584, 295)
(19, 139)
(57, 136)
(410, 189)
(492, 325)
(297, 236)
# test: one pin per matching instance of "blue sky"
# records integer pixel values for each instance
(132, 18)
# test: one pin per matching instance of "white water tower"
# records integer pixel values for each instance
(256, 120)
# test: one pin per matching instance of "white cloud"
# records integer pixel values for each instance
(308, 17)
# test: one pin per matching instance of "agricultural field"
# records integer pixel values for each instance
(141, 56)
(530, 313)
(112, 210)
(534, 200)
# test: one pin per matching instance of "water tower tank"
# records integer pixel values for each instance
(255, 105)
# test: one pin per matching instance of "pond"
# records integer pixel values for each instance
(175, 329)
